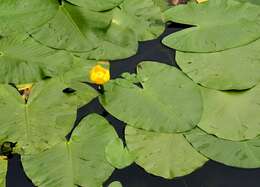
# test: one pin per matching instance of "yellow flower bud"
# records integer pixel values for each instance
(99, 75)
(25, 90)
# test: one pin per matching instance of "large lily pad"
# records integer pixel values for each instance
(233, 69)
(219, 24)
(3, 171)
(97, 5)
(242, 154)
(78, 162)
(46, 118)
(24, 15)
(165, 155)
(231, 115)
(174, 107)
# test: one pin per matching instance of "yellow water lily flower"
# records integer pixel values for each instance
(201, 1)
(99, 75)
(3, 158)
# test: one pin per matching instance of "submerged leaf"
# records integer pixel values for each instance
(219, 25)
(242, 154)
(45, 119)
(79, 162)
(233, 69)
(117, 155)
(3, 171)
(165, 155)
(231, 115)
(174, 107)
(25, 15)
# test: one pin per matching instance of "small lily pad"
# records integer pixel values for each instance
(115, 184)
(117, 155)
(3, 171)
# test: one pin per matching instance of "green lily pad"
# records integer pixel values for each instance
(117, 155)
(231, 115)
(3, 171)
(233, 69)
(218, 25)
(165, 155)
(174, 107)
(46, 118)
(115, 184)
(97, 5)
(163, 4)
(79, 162)
(242, 154)
(25, 15)
(144, 17)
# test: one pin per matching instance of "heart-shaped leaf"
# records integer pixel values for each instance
(219, 25)
(231, 115)
(78, 162)
(46, 118)
(174, 107)
(165, 155)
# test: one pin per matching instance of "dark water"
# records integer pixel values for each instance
(210, 175)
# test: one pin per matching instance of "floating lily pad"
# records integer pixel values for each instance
(97, 5)
(165, 101)
(163, 4)
(144, 17)
(233, 69)
(242, 154)
(25, 15)
(257, 2)
(117, 155)
(46, 118)
(3, 171)
(231, 115)
(219, 25)
(78, 162)
(165, 155)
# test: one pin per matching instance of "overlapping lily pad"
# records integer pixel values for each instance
(3, 171)
(117, 155)
(97, 5)
(219, 25)
(79, 162)
(115, 184)
(165, 155)
(24, 15)
(165, 101)
(231, 115)
(234, 69)
(46, 118)
(242, 154)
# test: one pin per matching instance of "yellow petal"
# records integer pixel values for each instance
(3, 158)
(22, 87)
(201, 1)
(99, 75)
